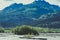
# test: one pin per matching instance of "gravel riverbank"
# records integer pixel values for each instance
(48, 36)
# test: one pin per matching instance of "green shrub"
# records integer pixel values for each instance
(2, 30)
(24, 30)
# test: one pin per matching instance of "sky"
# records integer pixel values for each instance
(5, 3)
(55, 2)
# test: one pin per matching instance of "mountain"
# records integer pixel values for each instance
(49, 20)
(34, 10)
(38, 13)
(12, 7)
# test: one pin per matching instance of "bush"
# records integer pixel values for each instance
(24, 30)
(2, 30)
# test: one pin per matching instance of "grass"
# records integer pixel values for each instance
(38, 29)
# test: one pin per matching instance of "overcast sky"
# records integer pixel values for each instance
(55, 2)
(5, 3)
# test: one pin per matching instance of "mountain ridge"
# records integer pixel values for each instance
(30, 14)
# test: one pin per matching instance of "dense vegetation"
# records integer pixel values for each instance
(25, 30)
(2, 30)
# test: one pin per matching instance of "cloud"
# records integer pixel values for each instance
(55, 2)
(5, 3)
(8, 0)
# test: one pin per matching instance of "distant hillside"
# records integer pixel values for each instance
(49, 20)
(38, 13)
